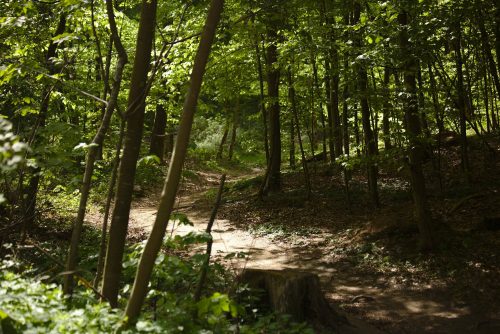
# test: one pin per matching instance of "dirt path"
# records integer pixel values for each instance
(261, 252)
(397, 307)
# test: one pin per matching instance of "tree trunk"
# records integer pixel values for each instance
(413, 129)
(261, 102)
(273, 74)
(321, 113)
(461, 100)
(107, 207)
(386, 110)
(334, 97)
(233, 132)
(93, 155)
(294, 293)
(157, 145)
(131, 149)
(167, 200)
(220, 151)
(327, 79)
(421, 104)
(291, 97)
(292, 142)
(345, 119)
(371, 148)
(487, 50)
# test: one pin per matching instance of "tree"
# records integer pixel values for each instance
(273, 73)
(153, 245)
(369, 138)
(132, 145)
(94, 150)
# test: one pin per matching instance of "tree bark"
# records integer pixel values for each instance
(132, 145)
(93, 154)
(371, 148)
(487, 50)
(461, 100)
(334, 97)
(167, 200)
(421, 104)
(107, 207)
(292, 143)
(157, 145)
(261, 102)
(233, 132)
(291, 97)
(386, 110)
(327, 79)
(223, 141)
(273, 74)
(321, 113)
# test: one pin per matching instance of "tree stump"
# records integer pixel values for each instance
(295, 293)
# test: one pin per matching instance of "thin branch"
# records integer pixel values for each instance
(98, 99)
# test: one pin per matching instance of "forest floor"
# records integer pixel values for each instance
(366, 257)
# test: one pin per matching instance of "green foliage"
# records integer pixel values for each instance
(149, 171)
(12, 150)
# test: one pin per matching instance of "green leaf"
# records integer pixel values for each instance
(64, 37)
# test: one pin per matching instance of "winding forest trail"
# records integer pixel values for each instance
(260, 252)
(375, 297)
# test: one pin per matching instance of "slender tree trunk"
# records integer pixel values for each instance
(327, 79)
(438, 114)
(321, 113)
(205, 266)
(461, 100)
(220, 151)
(312, 137)
(95, 150)
(494, 115)
(345, 119)
(435, 101)
(486, 99)
(167, 200)
(413, 131)
(132, 145)
(386, 110)
(497, 33)
(421, 104)
(325, 15)
(371, 149)
(157, 145)
(357, 134)
(273, 74)
(233, 132)
(107, 207)
(487, 51)
(374, 113)
(334, 97)
(261, 102)
(291, 96)
(292, 141)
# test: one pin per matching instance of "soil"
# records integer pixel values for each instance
(367, 258)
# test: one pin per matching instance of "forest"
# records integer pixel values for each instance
(249, 166)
